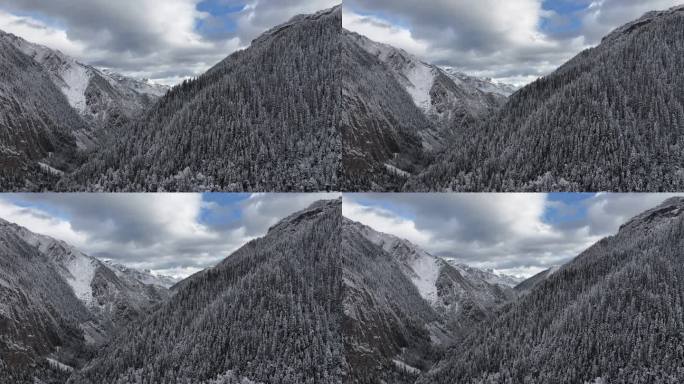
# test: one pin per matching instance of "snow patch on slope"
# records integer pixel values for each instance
(426, 269)
(76, 79)
(396, 170)
(419, 266)
(421, 78)
(82, 271)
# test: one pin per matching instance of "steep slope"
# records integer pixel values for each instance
(265, 118)
(40, 316)
(612, 118)
(105, 100)
(398, 111)
(112, 296)
(526, 285)
(403, 306)
(613, 314)
(57, 304)
(36, 124)
(388, 325)
(269, 312)
(462, 294)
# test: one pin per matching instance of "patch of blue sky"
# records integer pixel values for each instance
(384, 16)
(377, 201)
(222, 19)
(569, 16)
(566, 207)
(40, 17)
(44, 206)
(222, 208)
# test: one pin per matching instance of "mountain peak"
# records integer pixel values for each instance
(334, 12)
(318, 208)
(668, 210)
(643, 21)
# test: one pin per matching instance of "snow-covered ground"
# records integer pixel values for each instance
(396, 170)
(405, 366)
(421, 77)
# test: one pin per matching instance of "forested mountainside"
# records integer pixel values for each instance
(612, 315)
(36, 124)
(612, 118)
(53, 109)
(264, 119)
(270, 313)
(57, 305)
(403, 306)
(105, 100)
(399, 111)
(528, 284)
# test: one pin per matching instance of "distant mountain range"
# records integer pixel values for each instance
(324, 299)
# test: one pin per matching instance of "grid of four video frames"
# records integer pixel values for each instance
(310, 192)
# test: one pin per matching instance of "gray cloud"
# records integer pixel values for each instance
(506, 232)
(162, 232)
(151, 38)
(496, 38)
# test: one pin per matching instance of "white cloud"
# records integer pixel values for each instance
(161, 232)
(505, 232)
(384, 220)
(383, 32)
(156, 39)
(501, 39)
(42, 223)
(40, 33)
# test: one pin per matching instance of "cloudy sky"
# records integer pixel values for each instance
(172, 234)
(518, 234)
(513, 41)
(165, 40)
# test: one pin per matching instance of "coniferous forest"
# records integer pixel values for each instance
(263, 97)
(323, 299)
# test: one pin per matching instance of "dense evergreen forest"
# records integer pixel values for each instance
(612, 118)
(612, 315)
(264, 119)
(322, 299)
(270, 312)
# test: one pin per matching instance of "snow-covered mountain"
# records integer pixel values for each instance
(143, 276)
(38, 127)
(402, 304)
(54, 108)
(103, 98)
(446, 285)
(597, 123)
(487, 275)
(111, 291)
(484, 84)
(57, 303)
(617, 308)
(269, 312)
(399, 110)
(263, 119)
